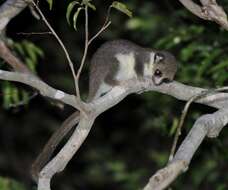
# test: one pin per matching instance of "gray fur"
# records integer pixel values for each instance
(105, 66)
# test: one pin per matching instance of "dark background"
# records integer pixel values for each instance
(132, 140)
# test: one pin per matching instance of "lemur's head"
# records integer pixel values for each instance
(165, 67)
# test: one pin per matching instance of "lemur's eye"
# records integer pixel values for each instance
(158, 57)
(158, 73)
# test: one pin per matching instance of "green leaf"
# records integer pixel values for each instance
(10, 184)
(221, 78)
(122, 8)
(25, 96)
(15, 95)
(206, 63)
(174, 127)
(69, 10)
(31, 53)
(188, 52)
(75, 17)
(222, 65)
(31, 64)
(222, 187)
(6, 95)
(38, 50)
(18, 47)
(50, 2)
(11, 95)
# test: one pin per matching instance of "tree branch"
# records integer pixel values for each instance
(207, 125)
(12, 60)
(42, 87)
(107, 101)
(194, 8)
(185, 111)
(165, 176)
(59, 162)
(85, 51)
(210, 124)
(209, 10)
(60, 43)
(9, 10)
(185, 92)
(178, 90)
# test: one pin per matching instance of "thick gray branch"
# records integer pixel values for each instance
(178, 90)
(110, 99)
(9, 10)
(165, 176)
(175, 89)
(39, 85)
(194, 8)
(207, 125)
(185, 92)
(209, 10)
(59, 162)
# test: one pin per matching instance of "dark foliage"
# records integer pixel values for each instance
(131, 141)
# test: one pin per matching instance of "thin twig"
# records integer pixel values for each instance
(184, 114)
(43, 88)
(88, 42)
(105, 25)
(84, 54)
(24, 102)
(60, 42)
(33, 33)
(99, 32)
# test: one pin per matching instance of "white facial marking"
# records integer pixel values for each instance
(1, 71)
(59, 94)
(148, 67)
(126, 66)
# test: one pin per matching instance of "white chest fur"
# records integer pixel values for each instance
(148, 67)
(126, 66)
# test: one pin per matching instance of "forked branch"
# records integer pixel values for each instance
(85, 51)
(61, 44)
(109, 100)
(185, 111)
(42, 87)
(209, 10)
(207, 125)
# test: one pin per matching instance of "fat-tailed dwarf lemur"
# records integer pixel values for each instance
(121, 60)
(114, 62)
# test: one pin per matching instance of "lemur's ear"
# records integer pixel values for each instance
(158, 57)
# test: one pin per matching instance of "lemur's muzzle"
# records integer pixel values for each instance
(157, 80)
